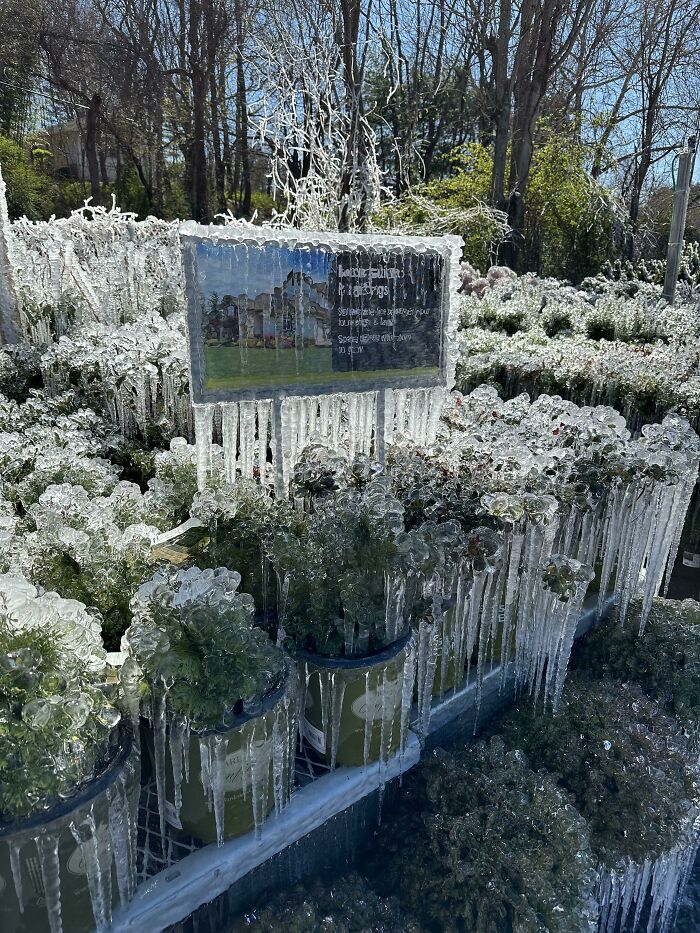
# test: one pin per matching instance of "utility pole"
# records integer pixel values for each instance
(680, 208)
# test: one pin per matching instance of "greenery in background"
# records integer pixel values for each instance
(346, 906)
(482, 843)
(193, 643)
(30, 191)
(664, 661)
(626, 763)
(569, 217)
(55, 722)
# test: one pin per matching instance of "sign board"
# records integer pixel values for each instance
(274, 313)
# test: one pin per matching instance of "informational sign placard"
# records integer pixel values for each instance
(275, 314)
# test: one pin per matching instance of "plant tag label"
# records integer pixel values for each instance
(315, 737)
(373, 700)
(690, 559)
(233, 771)
(171, 815)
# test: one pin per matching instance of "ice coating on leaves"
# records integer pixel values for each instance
(52, 666)
(197, 665)
(634, 777)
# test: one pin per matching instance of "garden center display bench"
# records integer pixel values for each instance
(186, 887)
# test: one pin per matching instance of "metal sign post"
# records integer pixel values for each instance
(680, 208)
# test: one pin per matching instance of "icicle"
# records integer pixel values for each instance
(247, 438)
(407, 685)
(99, 883)
(47, 849)
(229, 433)
(159, 727)
(16, 867)
(428, 646)
(263, 408)
(338, 684)
(203, 419)
(120, 834)
(218, 747)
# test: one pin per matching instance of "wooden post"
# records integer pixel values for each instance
(680, 208)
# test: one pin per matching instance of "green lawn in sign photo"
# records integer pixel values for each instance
(227, 367)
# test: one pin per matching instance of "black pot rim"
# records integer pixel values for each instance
(89, 791)
(367, 660)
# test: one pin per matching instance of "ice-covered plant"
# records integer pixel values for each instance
(194, 647)
(482, 842)
(242, 520)
(348, 904)
(321, 471)
(664, 660)
(172, 490)
(339, 576)
(627, 764)
(56, 724)
(96, 550)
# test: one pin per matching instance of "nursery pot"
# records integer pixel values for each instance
(352, 707)
(253, 746)
(44, 884)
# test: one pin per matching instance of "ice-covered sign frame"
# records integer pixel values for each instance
(291, 313)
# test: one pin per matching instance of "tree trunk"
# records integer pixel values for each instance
(199, 192)
(502, 96)
(243, 151)
(93, 116)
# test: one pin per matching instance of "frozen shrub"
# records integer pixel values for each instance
(664, 660)
(347, 905)
(55, 721)
(482, 842)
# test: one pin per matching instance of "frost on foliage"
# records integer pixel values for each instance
(635, 779)
(139, 371)
(536, 335)
(347, 904)
(96, 549)
(664, 660)
(480, 835)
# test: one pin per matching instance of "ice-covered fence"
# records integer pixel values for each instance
(97, 266)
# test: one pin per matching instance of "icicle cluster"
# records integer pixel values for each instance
(53, 663)
(96, 266)
(194, 644)
(624, 892)
(387, 701)
(140, 370)
(104, 833)
(347, 422)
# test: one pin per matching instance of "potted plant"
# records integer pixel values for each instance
(69, 770)
(240, 521)
(342, 607)
(220, 698)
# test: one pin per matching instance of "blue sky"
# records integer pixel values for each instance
(237, 269)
